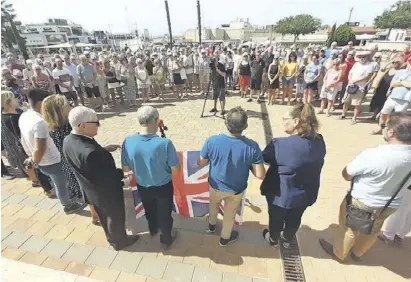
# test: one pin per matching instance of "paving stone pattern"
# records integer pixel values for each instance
(35, 230)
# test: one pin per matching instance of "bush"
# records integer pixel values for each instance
(343, 34)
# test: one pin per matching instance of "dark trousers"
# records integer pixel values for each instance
(158, 205)
(286, 220)
(112, 218)
(4, 170)
(44, 180)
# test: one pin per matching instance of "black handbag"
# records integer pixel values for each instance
(352, 89)
(363, 220)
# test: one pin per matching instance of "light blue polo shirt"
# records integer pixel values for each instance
(378, 173)
(150, 157)
(401, 92)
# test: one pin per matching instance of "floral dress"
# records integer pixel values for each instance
(58, 136)
(130, 87)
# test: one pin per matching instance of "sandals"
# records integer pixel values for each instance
(96, 222)
(376, 132)
(50, 195)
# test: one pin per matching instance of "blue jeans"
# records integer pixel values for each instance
(55, 172)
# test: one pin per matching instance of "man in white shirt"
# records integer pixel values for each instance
(43, 153)
(64, 79)
(237, 60)
(360, 73)
(69, 63)
(188, 63)
(377, 174)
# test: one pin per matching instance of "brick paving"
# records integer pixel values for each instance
(36, 231)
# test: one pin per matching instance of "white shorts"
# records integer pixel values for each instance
(394, 105)
(299, 87)
(115, 85)
(328, 95)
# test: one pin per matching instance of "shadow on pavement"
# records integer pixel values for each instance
(394, 259)
(193, 242)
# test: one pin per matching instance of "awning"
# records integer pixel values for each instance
(61, 45)
(365, 36)
(70, 45)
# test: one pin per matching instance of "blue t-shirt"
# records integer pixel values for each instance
(230, 161)
(312, 70)
(150, 158)
(293, 178)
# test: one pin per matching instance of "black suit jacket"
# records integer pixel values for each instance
(95, 170)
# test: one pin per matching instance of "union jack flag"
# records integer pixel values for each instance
(191, 189)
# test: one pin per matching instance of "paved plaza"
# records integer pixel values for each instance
(35, 231)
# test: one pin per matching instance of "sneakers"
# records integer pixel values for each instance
(286, 244)
(267, 238)
(232, 239)
(384, 238)
(8, 176)
(213, 110)
(211, 228)
(74, 207)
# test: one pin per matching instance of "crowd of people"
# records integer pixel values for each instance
(49, 138)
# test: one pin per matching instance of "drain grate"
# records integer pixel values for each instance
(292, 266)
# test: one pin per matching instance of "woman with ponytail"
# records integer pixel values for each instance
(293, 178)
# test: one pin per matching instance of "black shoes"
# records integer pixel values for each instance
(267, 238)
(74, 207)
(174, 235)
(130, 240)
(213, 110)
(232, 239)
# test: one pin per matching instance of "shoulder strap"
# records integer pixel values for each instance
(403, 182)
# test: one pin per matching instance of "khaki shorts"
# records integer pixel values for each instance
(204, 78)
(353, 99)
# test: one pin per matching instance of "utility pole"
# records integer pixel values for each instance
(199, 20)
(349, 17)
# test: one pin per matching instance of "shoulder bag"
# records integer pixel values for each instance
(363, 220)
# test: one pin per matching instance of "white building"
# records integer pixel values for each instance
(55, 31)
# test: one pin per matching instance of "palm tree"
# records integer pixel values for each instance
(199, 21)
(9, 33)
(169, 23)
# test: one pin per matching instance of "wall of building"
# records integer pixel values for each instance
(44, 39)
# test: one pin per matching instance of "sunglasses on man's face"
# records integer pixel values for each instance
(97, 123)
(360, 57)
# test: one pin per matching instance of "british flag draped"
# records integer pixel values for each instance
(191, 189)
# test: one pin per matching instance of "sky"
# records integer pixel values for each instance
(123, 16)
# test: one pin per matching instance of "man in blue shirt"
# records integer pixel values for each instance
(231, 156)
(153, 160)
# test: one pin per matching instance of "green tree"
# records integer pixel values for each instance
(330, 38)
(297, 25)
(398, 16)
(343, 34)
(9, 33)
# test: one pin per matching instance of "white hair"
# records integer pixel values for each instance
(81, 114)
(82, 57)
(147, 115)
